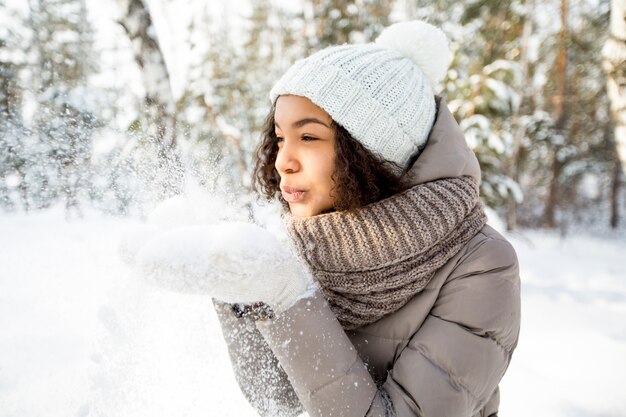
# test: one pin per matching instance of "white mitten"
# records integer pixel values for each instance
(233, 262)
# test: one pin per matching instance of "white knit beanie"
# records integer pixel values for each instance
(382, 92)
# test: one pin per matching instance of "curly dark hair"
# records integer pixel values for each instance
(360, 177)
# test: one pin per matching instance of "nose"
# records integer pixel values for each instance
(287, 158)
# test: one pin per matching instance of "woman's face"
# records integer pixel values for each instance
(306, 155)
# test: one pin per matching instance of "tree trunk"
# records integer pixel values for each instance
(514, 162)
(39, 83)
(615, 186)
(614, 64)
(560, 116)
(159, 118)
(552, 202)
(84, 43)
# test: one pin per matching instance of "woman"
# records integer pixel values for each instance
(399, 300)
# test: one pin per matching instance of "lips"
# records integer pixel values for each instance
(291, 194)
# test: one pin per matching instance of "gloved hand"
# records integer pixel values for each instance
(232, 262)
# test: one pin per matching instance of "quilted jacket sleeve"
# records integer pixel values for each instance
(323, 366)
(259, 375)
(450, 367)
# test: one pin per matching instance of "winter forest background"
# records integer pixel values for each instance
(111, 108)
(116, 105)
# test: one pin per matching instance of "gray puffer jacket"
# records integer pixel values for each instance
(441, 355)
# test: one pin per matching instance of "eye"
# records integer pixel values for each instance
(308, 138)
(278, 139)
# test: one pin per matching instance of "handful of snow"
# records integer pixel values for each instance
(134, 239)
(191, 258)
(233, 262)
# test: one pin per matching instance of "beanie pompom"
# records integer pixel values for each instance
(421, 42)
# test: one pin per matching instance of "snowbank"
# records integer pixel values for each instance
(81, 335)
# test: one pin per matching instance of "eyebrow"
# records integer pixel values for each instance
(305, 121)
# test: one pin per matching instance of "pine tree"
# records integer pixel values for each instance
(12, 152)
(212, 105)
(484, 83)
(50, 152)
(543, 108)
(356, 21)
(571, 106)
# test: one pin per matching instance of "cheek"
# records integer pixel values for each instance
(324, 165)
(327, 168)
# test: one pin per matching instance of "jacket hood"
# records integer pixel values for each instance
(446, 154)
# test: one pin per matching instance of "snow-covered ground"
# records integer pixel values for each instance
(81, 335)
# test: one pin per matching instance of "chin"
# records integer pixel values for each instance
(298, 210)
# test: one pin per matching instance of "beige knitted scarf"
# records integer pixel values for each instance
(371, 262)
